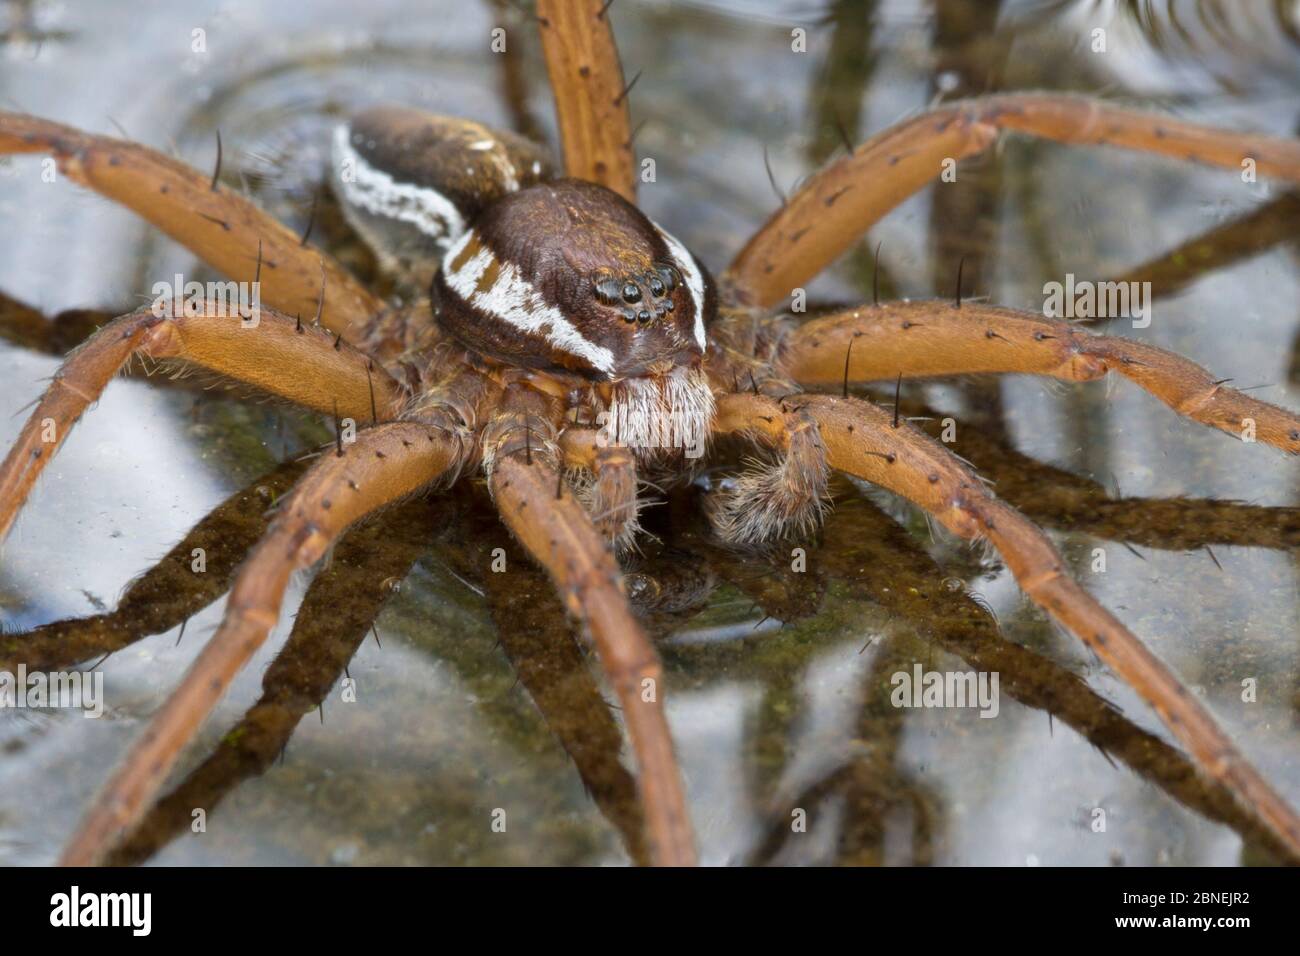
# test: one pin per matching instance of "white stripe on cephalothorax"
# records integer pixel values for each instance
(513, 299)
(464, 281)
(377, 192)
(690, 270)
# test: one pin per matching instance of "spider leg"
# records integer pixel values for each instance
(880, 561)
(326, 634)
(862, 440)
(839, 203)
(1056, 498)
(874, 554)
(59, 334)
(278, 355)
(221, 228)
(167, 594)
(557, 531)
(553, 669)
(385, 464)
(590, 98)
(605, 480)
(933, 338)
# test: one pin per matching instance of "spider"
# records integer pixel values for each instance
(576, 351)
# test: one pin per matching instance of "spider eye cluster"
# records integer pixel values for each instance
(641, 298)
(568, 276)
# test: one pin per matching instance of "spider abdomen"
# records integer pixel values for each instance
(411, 182)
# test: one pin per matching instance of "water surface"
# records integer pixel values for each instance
(779, 683)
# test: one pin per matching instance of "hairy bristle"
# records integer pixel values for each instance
(662, 418)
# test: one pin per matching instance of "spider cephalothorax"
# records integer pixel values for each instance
(576, 348)
(570, 277)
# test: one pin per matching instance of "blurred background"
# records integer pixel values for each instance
(778, 684)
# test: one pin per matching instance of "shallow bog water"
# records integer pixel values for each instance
(473, 705)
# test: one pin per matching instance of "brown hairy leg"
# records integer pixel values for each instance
(557, 531)
(334, 618)
(590, 98)
(551, 663)
(221, 228)
(862, 440)
(385, 464)
(839, 203)
(1054, 498)
(857, 539)
(279, 355)
(933, 338)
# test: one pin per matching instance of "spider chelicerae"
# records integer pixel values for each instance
(577, 352)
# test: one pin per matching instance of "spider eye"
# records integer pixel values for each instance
(631, 292)
(669, 275)
(609, 290)
(657, 287)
